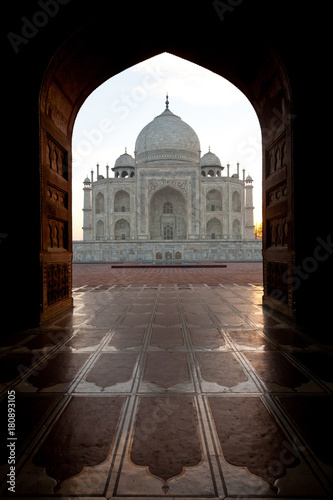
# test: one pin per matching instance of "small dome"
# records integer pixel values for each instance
(249, 178)
(87, 180)
(167, 137)
(125, 160)
(210, 160)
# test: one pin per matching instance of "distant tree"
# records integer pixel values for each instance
(258, 230)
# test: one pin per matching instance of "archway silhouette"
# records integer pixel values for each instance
(76, 52)
(62, 96)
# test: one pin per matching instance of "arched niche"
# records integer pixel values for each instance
(99, 230)
(214, 229)
(99, 203)
(236, 229)
(122, 229)
(213, 201)
(122, 201)
(167, 214)
(236, 202)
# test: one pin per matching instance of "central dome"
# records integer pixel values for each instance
(167, 137)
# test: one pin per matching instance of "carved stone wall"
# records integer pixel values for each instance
(137, 250)
(57, 158)
(58, 283)
(57, 196)
(277, 156)
(277, 194)
(277, 234)
(277, 283)
(57, 234)
(56, 241)
(278, 251)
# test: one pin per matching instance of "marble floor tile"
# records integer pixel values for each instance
(167, 384)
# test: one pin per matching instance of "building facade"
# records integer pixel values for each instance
(167, 203)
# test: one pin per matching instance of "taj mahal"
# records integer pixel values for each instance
(168, 203)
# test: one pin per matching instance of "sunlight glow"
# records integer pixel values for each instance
(113, 115)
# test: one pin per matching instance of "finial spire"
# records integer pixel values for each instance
(125, 149)
(167, 101)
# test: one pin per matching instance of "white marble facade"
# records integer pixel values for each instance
(167, 203)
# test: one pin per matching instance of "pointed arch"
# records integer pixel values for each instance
(122, 201)
(100, 230)
(236, 202)
(168, 214)
(214, 229)
(99, 203)
(122, 229)
(214, 201)
(236, 229)
(266, 84)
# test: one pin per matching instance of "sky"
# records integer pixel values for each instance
(112, 117)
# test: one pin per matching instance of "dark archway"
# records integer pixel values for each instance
(76, 52)
(265, 84)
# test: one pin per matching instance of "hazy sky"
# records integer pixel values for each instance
(112, 117)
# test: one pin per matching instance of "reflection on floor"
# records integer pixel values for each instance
(168, 391)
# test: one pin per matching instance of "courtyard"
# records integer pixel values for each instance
(167, 383)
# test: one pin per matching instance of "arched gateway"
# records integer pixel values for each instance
(77, 52)
(61, 101)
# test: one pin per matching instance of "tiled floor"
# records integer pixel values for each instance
(163, 387)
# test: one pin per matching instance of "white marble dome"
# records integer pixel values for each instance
(125, 160)
(167, 137)
(210, 160)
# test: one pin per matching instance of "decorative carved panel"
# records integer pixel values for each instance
(57, 283)
(277, 281)
(277, 232)
(57, 196)
(276, 156)
(155, 184)
(277, 194)
(57, 234)
(57, 158)
(278, 249)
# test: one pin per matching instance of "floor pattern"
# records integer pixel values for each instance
(155, 391)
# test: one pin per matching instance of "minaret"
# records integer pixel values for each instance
(249, 208)
(87, 211)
